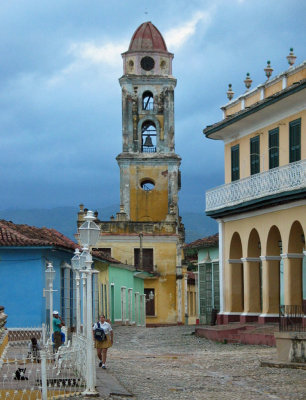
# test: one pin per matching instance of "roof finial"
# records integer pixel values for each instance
(230, 93)
(291, 57)
(268, 70)
(248, 81)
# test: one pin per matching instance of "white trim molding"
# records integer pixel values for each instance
(269, 315)
(251, 259)
(234, 261)
(221, 258)
(270, 258)
(292, 255)
(251, 314)
(231, 313)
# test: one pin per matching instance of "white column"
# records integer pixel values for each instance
(51, 307)
(84, 303)
(196, 281)
(186, 299)
(44, 384)
(136, 308)
(91, 370)
(221, 251)
(179, 300)
(78, 305)
(179, 283)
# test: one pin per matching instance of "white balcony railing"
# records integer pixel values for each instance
(276, 180)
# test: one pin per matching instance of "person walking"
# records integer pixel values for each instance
(106, 342)
(57, 324)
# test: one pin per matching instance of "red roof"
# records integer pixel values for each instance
(24, 235)
(208, 241)
(147, 38)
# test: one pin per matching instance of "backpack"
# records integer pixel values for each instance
(99, 333)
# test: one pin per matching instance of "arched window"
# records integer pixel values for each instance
(148, 137)
(147, 100)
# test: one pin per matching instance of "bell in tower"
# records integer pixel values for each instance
(148, 142)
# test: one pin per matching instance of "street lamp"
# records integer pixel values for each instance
(77, 265)
(50, 275)
(89, 234)
(89, 231)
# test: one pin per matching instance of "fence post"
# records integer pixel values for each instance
(44, 393)
(43, 334)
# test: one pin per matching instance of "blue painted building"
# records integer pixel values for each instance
(25, 252)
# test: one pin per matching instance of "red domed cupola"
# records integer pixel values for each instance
(147, 53)
(147, 38)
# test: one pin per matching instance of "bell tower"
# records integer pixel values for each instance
(147, 235)
(149, 167)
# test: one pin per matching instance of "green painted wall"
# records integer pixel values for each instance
(121, 298)
(213, 253)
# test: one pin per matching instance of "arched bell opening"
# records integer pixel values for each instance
(148, 137)
(147, 101)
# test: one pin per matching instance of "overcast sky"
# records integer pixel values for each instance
(60, 100)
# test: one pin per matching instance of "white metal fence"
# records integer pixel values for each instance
(27, 374)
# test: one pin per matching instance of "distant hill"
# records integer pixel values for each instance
(63, 219)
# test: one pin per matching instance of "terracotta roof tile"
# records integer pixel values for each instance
(24, 235)
(208, 241)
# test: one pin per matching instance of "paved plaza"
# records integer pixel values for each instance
(171, 363)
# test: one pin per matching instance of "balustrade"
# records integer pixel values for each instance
(277, 180)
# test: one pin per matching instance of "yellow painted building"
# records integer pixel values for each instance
(147, 232)
(101, 289)
(261, 208)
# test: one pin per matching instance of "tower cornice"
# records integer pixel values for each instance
(146, 157)
(151, 79)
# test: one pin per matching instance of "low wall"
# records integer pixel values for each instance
(291, 346)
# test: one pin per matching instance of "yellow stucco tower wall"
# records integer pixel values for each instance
(147, 231)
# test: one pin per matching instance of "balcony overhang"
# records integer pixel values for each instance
(256, 204)
(265, 112)
(273, 187)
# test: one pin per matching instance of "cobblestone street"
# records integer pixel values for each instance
(171, 363)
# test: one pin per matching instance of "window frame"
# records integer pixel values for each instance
(274, 148)
(235, 168)
(295, 140)
(255, 155)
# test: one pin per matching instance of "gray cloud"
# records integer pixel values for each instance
(60, 100)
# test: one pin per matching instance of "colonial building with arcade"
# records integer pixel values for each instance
(261, 208)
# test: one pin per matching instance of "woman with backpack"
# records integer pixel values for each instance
(103, 336)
